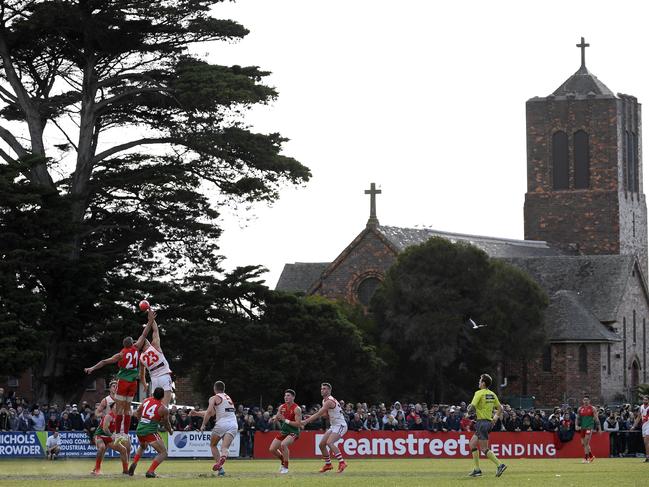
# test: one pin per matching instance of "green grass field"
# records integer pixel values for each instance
(412, 473)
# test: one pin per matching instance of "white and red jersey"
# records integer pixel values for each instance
(109, 400)
(155, 361)
(335, 413)
(644, 414)
(224, 412)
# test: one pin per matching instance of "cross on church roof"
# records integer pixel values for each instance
(373, 220)
(582, 45)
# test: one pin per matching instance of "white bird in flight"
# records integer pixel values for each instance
(474, 325)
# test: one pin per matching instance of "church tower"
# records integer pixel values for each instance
(584, 169)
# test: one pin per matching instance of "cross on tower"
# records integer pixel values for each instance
(582, 45)
(373, 220)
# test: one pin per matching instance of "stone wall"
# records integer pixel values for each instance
(564, 382)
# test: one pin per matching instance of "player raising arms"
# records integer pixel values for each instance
(289, 416)
(127, 361)
(335, 432)
(154, 360)
(585, 423)
(151, 414)
(104, 440)
(643, 418)
(225, 427)
(483, 404)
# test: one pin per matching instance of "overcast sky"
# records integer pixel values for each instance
(427, 99)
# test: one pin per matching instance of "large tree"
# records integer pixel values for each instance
(422, 310)
(119, 148)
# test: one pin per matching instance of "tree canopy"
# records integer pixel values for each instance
(422, 311)
(261, 342)
(119, 148)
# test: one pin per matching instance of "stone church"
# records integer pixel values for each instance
(585, 244)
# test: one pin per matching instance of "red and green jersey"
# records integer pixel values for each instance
(289, 413)
(100, 431)
(586, 416)
(128, 364)
(151, 418)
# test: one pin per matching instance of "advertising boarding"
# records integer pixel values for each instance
(424, 444)
(197, 444)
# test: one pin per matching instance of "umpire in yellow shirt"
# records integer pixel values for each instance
(483, 404)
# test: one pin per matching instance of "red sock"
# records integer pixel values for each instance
(153, 466)
(127, 423)
(136, 458)
(119, 420)
(285, 463)
(124, 466)
(98, 464)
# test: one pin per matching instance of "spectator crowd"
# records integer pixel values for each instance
(17, 414)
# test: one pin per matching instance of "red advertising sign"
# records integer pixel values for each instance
(424, 444)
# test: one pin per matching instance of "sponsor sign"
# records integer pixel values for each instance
(72, 444)
(77, 444)
(424, 444)
(17, 444)
(197, 444)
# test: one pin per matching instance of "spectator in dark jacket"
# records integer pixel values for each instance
(64, 423)
(356, 424)
(263, 421)
(4, 419)
(553, 423)
(513, 422)
(75, 419)
(452, 422)
(25, 422)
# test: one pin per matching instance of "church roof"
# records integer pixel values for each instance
(568, 319)
(299, 277)
(583, 83)
(599, 280)
(401, 238)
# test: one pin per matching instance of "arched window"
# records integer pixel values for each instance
(366, 290)
(636, 170)
(583, 358)
(547, 358)
(630, 171)
(560, 169)
(582, 160)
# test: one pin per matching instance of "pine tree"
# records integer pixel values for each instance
(120, 146)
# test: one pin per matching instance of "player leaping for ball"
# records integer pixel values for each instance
(226, 428)
(585, 423)
(104, 440)
(154, 360)
(288, 416)
(151, 414)
(336, 431)
(127, 361)
(483, 404)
